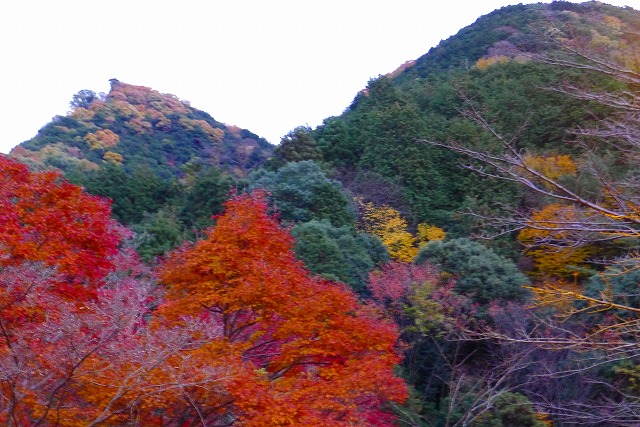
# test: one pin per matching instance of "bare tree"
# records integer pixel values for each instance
(600, 328)
(608, 209)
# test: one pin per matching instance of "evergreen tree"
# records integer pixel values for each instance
(481, 273)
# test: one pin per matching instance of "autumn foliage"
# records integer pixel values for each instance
(239, 334)
(553, 167)
(58, 256)
(45, 219)
(297, 350)
(386, 223)
(547, 229)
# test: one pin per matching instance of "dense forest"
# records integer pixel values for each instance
(458, 248)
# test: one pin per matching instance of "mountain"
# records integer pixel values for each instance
(515, 32)
(497, 68)
(545, 96)
(136, 126)
(376, 147)
(165, 166)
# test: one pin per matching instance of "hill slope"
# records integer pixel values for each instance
(137, 126)
(491, 66)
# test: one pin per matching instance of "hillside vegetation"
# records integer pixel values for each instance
(136, 126)
(458, 248)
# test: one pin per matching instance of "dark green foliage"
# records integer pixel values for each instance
(507, 410)
(336, 143)
(204, 198)
(338, 253)
(83, 99)
(382, 133)
(372, 245)
(373, 187)
(318, 251)
(157, 234)
(296, 146)
(133, 195)
(301, 192)
(518, 97)
(619, 283)
(510, 410)
(382, 129)
(516, 24)
(481, 273)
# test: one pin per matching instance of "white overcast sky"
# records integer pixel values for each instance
(267, 66)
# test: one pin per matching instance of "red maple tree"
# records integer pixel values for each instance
(297, 350)
(44, 218)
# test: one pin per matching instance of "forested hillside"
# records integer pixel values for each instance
(489, 66)
(166, 166)
(458, 248)
(136, 127)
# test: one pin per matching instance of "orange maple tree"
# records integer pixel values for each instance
(295, 349)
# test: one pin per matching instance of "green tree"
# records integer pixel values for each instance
(204, 197)
(336, 142)
(301, 192)
(618, 283)
(338, 253)
(83, 99)
(296, 146)
(133, 195)
(481, 273)
(506, 410)
(157, 234)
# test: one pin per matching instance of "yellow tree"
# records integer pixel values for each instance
(543, 242)
(552, 167)
(428, 233)
(386, 223)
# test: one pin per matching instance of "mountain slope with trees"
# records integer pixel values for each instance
(544, 97)
(166, 166)
(491, 65)
(483, 198)
(136, 126)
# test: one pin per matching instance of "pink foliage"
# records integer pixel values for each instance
(395, 285)
(397, 280)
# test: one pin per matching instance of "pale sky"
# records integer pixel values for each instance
(267, 66)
